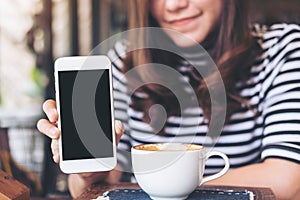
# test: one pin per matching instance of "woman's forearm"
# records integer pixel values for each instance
(283, 177)
(78, 183)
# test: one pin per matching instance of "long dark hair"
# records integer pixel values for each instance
(231, 46)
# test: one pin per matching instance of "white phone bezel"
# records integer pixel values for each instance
(85, 63)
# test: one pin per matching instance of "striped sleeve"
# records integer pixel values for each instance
(281, 88)
(121, 101)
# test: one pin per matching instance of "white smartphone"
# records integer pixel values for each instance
(84, 97)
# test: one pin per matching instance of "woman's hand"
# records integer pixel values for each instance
(49, 127)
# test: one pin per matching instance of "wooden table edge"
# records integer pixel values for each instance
(10, 188)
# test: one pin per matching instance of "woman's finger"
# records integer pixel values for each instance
(119, 128)
(49, 107)
(55, 150)
(48, 128)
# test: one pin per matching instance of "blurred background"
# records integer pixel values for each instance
(33, 33)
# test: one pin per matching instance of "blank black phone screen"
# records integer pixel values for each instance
(85, 114)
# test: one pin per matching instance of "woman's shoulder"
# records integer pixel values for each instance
(278, 32)
(274, 30)
(280, 44)
(278, 35)
(281, 47)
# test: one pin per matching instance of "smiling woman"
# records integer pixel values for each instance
(194, 19)
(259, 66)
(228, 41)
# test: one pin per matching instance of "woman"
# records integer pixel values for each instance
(260, 69)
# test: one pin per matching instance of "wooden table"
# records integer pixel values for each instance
(11, 188)
(98, 189)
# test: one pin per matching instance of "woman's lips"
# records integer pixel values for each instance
(183, 21)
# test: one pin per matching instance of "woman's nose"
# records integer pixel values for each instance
(174, 5)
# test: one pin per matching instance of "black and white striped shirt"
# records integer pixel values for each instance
(273, 88)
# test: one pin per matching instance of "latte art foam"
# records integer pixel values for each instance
(168, 147)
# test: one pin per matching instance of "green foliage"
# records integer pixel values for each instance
(39, 79)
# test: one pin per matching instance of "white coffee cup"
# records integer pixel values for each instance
(171, 171)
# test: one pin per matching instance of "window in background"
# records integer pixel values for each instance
(22, 87)
(20, 82)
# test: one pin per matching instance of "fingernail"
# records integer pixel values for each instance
(53, 113)
(119, 127)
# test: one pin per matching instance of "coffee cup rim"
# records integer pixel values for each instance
(197, 147)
